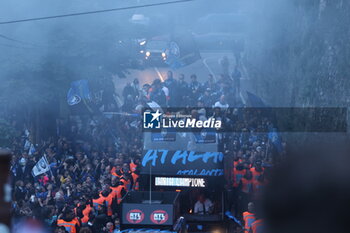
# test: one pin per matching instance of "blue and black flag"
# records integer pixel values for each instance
(182, 51)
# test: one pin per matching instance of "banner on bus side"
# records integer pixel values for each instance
(182, 163)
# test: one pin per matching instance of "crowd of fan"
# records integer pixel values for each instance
(93, 163)
(180, 93)
(94, 160)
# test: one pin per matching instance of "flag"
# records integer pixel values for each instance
(182, 51)
(255, 101)
(79, 91)
(31, 149)
(134, 124)
(154, 106)
(26, 133)
(27, 145)
(41, 167)
(13, 170)
(230, 216)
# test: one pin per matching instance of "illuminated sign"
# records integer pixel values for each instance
(159, 216)
(146, 214)
(135, 216)
(180, 182)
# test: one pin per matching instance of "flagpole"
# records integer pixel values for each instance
(49, 167)
(150, 184)
(267, 147)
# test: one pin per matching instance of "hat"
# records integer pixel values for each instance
(22, 161)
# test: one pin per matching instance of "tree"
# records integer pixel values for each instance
(298, 52)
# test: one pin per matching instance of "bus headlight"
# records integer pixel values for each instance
(148, 53)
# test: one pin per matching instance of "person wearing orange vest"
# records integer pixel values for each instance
(108, 196)
(248, 217)
(133, 165)
(247, 165)
(116, 171)
(135, 178)
(83, 210)
(246, 183)
(237, 161)
(238, 173)
(86, 214)
(69, 222)
(258, 186)
(257, 226)
(97, 200)
(257, 170)
(126, 177)
(125, 181)
(77, 221)
(245, 190)
(118, 190)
